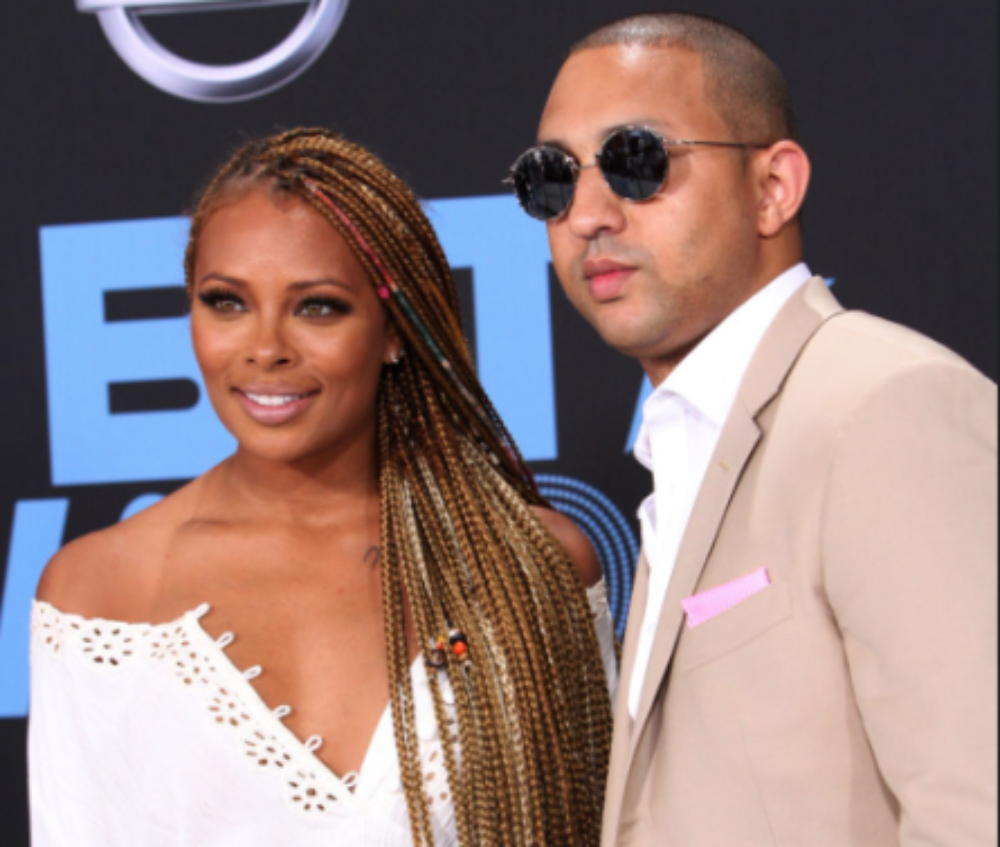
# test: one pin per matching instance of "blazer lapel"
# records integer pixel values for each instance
(804, 314)
(736, 445)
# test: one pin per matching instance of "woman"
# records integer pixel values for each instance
(376, 538)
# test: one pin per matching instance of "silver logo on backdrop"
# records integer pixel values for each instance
(123, 26)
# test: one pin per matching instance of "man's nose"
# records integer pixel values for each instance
(596, 208)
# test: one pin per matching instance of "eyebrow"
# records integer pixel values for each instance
(652, 123)
(301, 285)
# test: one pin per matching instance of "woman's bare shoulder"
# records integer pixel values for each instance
(113, 573)
(581, 551)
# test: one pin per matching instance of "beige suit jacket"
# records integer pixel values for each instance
(853, 702)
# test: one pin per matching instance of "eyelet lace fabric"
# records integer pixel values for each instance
(110, 698)
(599, 603)
(197, 663)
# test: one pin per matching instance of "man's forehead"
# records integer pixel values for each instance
(601, 89)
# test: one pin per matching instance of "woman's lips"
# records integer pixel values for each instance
(607, 279)
(274, 408)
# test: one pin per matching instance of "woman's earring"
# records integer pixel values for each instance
(397, 356)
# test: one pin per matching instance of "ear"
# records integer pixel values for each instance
(394, 347)
(782, 172)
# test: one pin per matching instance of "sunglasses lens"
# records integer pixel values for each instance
(635, 163)
(544, 182)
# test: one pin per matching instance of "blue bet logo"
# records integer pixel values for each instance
(86, 353)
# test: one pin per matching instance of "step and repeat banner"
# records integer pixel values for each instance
(114, 112)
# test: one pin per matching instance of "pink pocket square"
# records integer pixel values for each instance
(701, 608)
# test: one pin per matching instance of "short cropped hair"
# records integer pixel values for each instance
(744, 84)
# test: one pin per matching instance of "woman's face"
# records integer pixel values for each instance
(289, 333)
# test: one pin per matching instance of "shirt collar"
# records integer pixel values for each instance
(709, 377)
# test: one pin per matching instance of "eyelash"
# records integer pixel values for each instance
(215, 299)
(336, 307)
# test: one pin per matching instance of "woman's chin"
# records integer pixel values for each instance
(280, 451)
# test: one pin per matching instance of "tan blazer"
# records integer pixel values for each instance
(853, 703)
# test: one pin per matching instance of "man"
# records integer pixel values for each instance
(811, 652)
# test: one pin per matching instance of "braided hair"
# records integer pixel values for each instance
(461, 544)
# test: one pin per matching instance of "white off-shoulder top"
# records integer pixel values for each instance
(149, 736)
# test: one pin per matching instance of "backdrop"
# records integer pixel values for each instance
(113, 117)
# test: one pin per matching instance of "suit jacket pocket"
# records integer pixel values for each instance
(734, 628)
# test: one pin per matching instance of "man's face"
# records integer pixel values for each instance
(655, 277)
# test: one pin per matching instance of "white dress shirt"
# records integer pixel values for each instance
(681, 425)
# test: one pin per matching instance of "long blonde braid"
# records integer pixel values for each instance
(461, 544)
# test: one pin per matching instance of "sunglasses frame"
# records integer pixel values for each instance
(576, 168)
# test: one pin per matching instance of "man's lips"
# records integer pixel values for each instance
(274, 405)
(607, 278)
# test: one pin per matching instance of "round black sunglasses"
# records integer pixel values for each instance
(634, 161)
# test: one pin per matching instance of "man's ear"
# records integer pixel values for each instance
(782, 173)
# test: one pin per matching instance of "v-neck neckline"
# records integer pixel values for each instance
(360, 790)
(380, 761)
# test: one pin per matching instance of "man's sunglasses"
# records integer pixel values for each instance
(634, 161)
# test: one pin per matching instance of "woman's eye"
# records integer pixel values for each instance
(222, 301)
(322, 308)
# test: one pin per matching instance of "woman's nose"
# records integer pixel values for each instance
(269, 346)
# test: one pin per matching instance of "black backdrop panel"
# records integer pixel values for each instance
(898, 107)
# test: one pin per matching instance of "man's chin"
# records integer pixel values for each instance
(629, 338)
